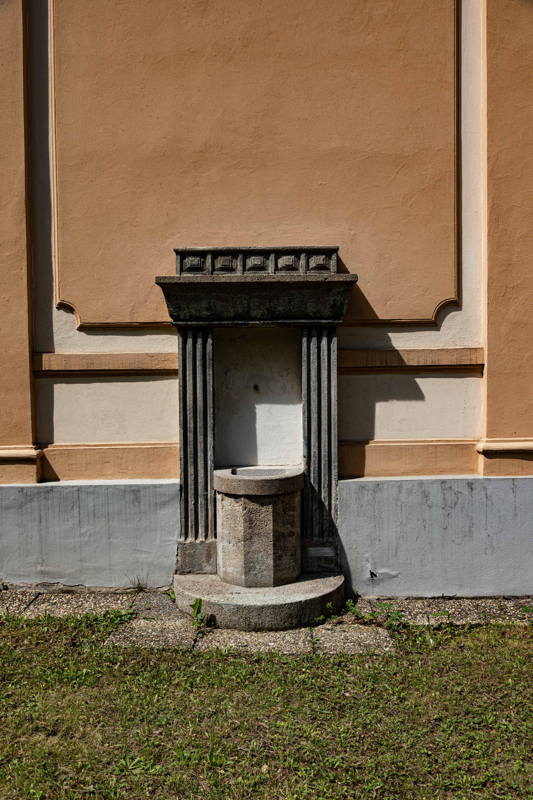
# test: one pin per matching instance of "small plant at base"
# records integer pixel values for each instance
(395, 619)
(138, 584)
(353, 609)
(198, 617)
(313, 639)
(200, 620)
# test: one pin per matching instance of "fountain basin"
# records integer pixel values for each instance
(258, 525)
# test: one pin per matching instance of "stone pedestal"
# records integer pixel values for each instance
(258, 525)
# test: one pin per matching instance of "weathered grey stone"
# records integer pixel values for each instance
(197, 556)
(282, 298)
(238, 260)
(252, 481)
(258, 533)
(319, 403)
(196, 435)
(253, 609)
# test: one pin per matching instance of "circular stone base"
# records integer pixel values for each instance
(260, 609)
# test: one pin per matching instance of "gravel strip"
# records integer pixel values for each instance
(455, 610)
(67, 603)
(156, 633)
(292, 642)
(15, 602)
(351, 639)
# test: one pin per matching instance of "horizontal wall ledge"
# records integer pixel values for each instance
(19, 453)
(506, 456)
(349, 361)
(505, 446)
(136, 363)
(19, 464)
(145, 460)
(434, 358)
(407, 457)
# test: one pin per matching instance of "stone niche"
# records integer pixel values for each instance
(258, 543)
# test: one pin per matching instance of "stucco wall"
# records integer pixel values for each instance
(15, 364)
(125, 409)
(306, 121)
(406, 405)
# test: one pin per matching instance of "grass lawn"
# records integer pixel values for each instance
(447, 716)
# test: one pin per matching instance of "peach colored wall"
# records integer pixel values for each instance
(509, 371)
(15, 363)
(250, 122)
(103, 410)
(406, 405)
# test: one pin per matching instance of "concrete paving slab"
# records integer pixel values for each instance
(351, 639)
(15, 601)
(62, 604)
(454, 610)
(293, 642)
(156, 633)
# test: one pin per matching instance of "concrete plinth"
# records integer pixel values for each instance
(260, 609)
(258, 525)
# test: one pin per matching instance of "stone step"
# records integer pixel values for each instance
(292, 605)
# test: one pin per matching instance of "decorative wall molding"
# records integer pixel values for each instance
(505, 456)
(505, 446)
(356, 459)
(409, 457)
(498, 464)
(150, 460)
(353, 361)
(197, 436)
(253, 260)
(349, 361)
(18, 453)
(128, 363)
(20, 464)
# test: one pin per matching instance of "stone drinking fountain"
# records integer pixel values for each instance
(258, 544)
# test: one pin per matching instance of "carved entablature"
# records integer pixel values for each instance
(253, 260)
(256, 286)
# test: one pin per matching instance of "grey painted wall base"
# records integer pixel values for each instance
(433, 536)
(107, 533)
(425, 537)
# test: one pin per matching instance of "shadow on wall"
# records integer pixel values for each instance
(357, 404)
(39, 172)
